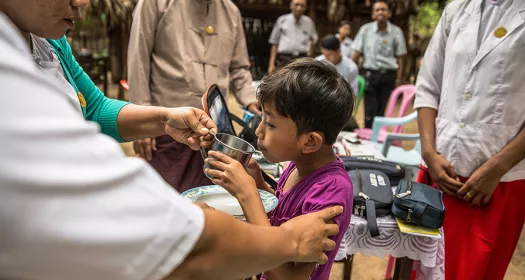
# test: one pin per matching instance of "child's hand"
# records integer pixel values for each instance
(203, 205)
(231, 175)
(255, 171)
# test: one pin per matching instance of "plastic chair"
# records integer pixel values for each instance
(393, 153)
(361, 84)
(408, 92)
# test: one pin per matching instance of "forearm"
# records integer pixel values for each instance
(510, 155)
(426, 118)
(136, 122)
(253, 208)
(273, 55)
(355, 56)
(231, 249)
(401, 68)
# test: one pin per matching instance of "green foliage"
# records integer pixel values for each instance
(426, 18)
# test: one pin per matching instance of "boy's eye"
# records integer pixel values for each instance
(269, 125)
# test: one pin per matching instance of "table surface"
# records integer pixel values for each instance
(430, 252)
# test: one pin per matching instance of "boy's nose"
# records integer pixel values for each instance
(259, 132)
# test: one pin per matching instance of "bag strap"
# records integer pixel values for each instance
(359, 180)
(243, 125)
(269, 180)
(419, 209)
(371, 217)
(425, 171)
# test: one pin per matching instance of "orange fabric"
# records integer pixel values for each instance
(479, 242)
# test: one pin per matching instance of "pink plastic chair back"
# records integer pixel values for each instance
(408, 93)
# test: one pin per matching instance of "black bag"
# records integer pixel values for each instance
(419, 204)
(248, 133)
(394, 171)
(372, 196)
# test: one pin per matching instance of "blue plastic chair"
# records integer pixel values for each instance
(393, 153)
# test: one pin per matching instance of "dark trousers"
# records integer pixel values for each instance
(179, 165)
(379, 85)
(283, 59)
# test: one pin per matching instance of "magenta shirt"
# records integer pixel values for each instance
(327, 186)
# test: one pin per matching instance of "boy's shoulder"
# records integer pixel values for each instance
(331, 180)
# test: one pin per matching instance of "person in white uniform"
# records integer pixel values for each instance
(292, 37)
(343, 34)
(331, 52)
(73, 206)
(470, 94)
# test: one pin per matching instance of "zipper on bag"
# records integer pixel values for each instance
(407, 192)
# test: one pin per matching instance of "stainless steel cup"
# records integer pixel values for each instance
(231, 146)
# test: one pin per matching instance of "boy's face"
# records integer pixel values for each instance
(277, 135)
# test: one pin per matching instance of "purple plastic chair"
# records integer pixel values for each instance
(408, 93)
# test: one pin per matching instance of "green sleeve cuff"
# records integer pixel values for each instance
(108, 116)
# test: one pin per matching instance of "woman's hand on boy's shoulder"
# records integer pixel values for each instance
(231, 175)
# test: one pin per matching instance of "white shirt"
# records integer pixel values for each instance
(380, 49)
(479, 92)
(44, 57)
(346, 47)
(348, 69)
(72, 205)
(292, 35)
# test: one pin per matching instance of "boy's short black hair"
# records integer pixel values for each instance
(330, 42)
(311, 93)
(344, 22)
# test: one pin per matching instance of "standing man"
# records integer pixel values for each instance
(331, 51)
(469, 95)
(177, 50)
(344, 38)
(293, 36)
(383, 48)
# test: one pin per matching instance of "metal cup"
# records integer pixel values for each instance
(231, 146)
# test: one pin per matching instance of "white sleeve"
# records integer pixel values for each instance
(430, 77)
(72, 205)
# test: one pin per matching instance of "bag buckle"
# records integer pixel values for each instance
(363, 195)
(401, 195)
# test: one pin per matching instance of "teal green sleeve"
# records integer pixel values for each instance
(99, 108)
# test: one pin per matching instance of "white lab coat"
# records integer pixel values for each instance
(479, 93)
(72, 205)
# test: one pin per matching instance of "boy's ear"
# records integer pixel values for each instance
(313, 141)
